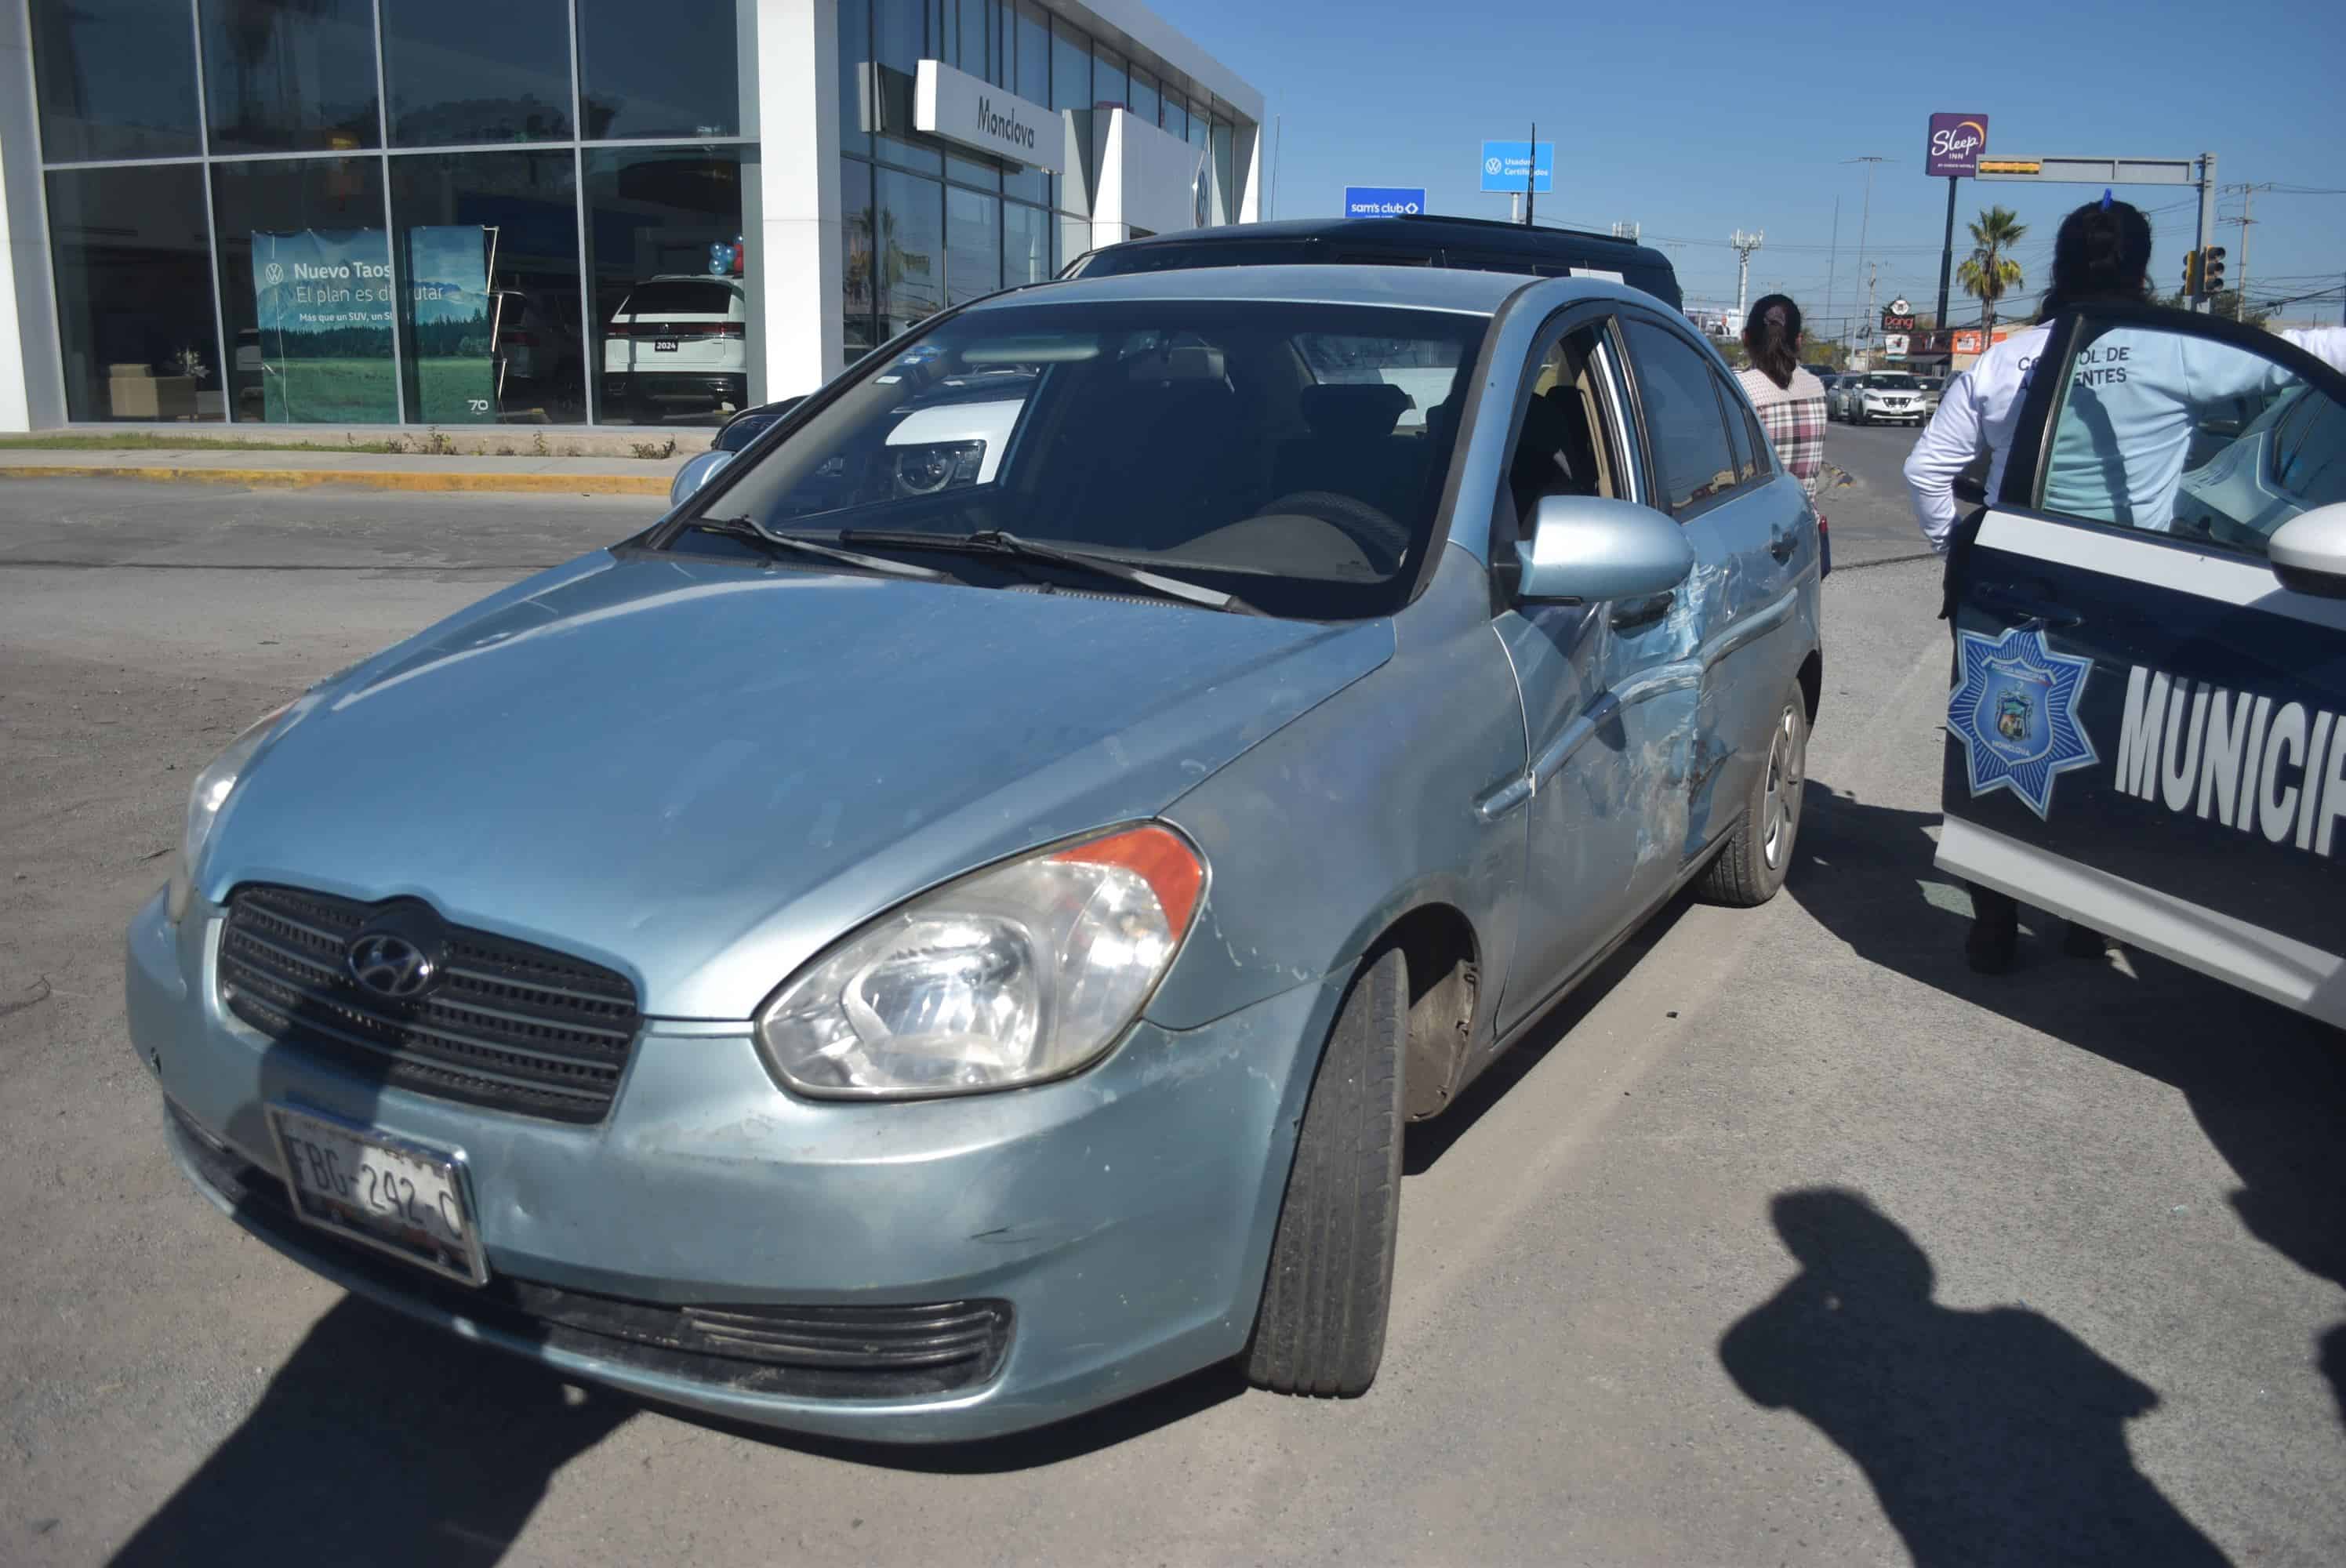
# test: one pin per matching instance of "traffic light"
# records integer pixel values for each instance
(2191, 274)
(2211, 271)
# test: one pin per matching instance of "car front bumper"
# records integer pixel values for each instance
(1123, 1215)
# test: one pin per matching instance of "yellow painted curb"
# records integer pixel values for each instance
(364, 478)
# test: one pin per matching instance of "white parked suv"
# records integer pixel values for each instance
(677, 344)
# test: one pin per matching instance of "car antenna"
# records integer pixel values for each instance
(1531, 175)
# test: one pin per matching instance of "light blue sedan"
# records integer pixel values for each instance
(944, 931)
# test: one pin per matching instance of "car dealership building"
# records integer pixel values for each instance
(559, 211)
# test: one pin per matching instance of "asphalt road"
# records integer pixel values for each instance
(1786, 1240)
(1864, 498)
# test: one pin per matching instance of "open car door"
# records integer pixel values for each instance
(2148, 704)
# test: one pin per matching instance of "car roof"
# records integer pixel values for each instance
(1406, 288)
(1430, 227)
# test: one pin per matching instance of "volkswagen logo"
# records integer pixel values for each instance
(390, 965)
(273, 274)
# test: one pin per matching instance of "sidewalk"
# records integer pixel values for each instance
(261, 469)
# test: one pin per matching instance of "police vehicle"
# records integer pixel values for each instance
(2149, 706)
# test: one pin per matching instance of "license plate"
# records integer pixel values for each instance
(663, 345)
(369, 1186)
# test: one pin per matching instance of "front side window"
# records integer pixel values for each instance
(1692, 461)
(2169, 433)
(1564, 442)
(1293, 456)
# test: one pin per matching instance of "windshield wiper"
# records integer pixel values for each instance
(741, 528)
(998, 542)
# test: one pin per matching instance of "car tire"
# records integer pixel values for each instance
(1321, 1329)
(1750, 868)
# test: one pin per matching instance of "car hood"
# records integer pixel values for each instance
(701, 773)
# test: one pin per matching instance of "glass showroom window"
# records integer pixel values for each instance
(290, 76)
(487, 247)
(973, 245)
(669, 69)
(306, 290)
(858, 238)
(665, 259)
(910, 255)
(134, 293)
(1025, 243)
(458, 71)
(117, 79)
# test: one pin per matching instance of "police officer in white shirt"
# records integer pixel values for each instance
(2102, 252)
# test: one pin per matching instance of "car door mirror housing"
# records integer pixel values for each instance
(2308, 552)
(1590, 548)
(694, 474)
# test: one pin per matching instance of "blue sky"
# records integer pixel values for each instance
(1699, 117)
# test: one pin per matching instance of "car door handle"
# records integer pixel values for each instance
(1782, 545)
(2002, 599)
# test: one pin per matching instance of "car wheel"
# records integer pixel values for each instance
(1751, 866)
(1322, 1326)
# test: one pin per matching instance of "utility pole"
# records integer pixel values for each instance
(2247, 220)
(1744, 244)
(2207, 215)
(1866, 215)
(1832, 263)
(1865, 326)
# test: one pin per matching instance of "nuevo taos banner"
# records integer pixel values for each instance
(324, 300)
(450, 324)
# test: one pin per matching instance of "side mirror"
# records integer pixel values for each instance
(694, 474)
(1589, 549)
(2308, 552)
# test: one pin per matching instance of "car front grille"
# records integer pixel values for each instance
(509, 1025)
(828, 1352)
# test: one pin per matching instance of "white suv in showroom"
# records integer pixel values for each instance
(678, 345)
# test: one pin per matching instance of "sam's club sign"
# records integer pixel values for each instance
(1383, 200)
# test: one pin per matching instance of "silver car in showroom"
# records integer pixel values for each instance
(944, 929)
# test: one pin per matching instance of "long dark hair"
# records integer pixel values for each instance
(2102, 252)
(1771, 336)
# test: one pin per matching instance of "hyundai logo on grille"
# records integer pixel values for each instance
(390, 965)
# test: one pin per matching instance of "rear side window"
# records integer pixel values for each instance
(679, 299)
(1692, 460)
(1739, 429)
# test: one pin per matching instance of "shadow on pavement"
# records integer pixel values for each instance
(1995, 1437)
(380, 1440)
(2268, 1086)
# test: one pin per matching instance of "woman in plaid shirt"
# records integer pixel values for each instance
(1792, 401)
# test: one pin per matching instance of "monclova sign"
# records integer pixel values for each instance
(960, 107)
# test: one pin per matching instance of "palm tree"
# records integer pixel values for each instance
(1989, 271)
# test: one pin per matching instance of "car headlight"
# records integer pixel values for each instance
(213, 788)
(937, 465)
(1020, 973)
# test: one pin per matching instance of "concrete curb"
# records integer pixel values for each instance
(363, 478)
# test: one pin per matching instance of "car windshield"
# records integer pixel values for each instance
(1891, 383)
(1290, 454)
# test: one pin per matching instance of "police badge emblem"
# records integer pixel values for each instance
(2015, 708)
